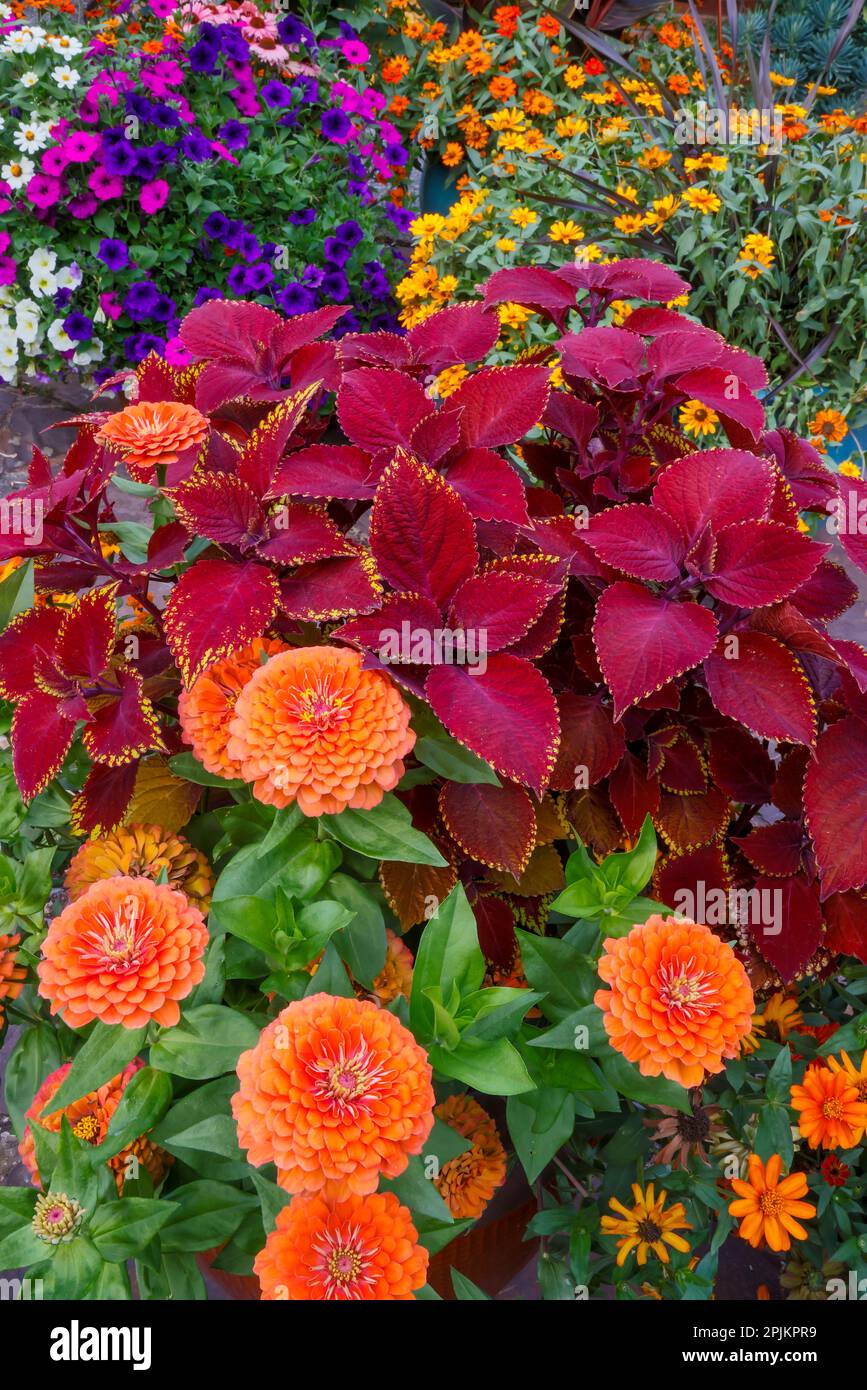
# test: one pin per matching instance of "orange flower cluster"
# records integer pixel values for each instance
(335, 1092)
(89, 1117)
(150, 434)
(679, 1000)
(124, 952)
(12, 975)
(312, 727)
(146, 851)
(205, 710)
(467, 1182)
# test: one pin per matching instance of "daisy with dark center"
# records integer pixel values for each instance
(646, 1227)
(781, 1015)
(684, 1135)
(697, 419)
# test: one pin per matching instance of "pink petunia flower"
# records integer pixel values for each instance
(176, 354)
(153, 196)
(355, 52)
(110, 305)
(53, 161)
(104, 185)
(43, 191)
(82, 207)
(79, 146)
(8, 270)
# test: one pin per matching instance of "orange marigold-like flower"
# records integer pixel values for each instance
(830, 1112)
(206, 710)
(467, 1182)
(768, 1207)
(124, 952)
(646, 1227)
(857, 1075)
(12, 975)
(363, 1248)
(311, 726)
(152, 433)
(334, 1092)
(142, 851)
(395, 977)
(89, 1118)
(679, 1001)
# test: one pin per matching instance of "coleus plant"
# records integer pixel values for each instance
(652, 620)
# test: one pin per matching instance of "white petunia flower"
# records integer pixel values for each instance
(43, 283)
(8, 348)
(58, 337)
(27, 320)
(19, 173)
(42, 259)
(69, 277)
(65, 77)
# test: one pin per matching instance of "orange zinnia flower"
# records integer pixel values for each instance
(395, 977)
(151, 433)
(205, 710)
(311, 726)
(679, 1001)
(334, 1092)
(12, 975)
(646, 1226)
(146, 851)
(124, 952)
(857, 1075)
(769, 1207)
(89, 1117)
(363, 1248)
(830, 1112)
(467, 1182)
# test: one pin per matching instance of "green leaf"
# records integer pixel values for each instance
(779, 1083)
(272, 1197)
(559, 972)
(631, 871)
(331, 976)
(21, 1248)
(466, 1290)
(362, 943)
(35, 1055)
(119, 1230)
(540, 1124)
(205, 1214)
(186, 766)
(145, 1100)
(16, 593)
(73, 1271)
(207, 1042)
(75, 1173)
(297, 864)
(495, 1068)
(448, 956)
(105, 1053)
(385, 832)
(582, 1031)
(417, 1191)
(774, 1132)
(650, 1090)
(453, 761)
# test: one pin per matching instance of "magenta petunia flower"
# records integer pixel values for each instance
(176, 354)
(110, 305)
(355, 52)
(153, 196)
(8, 270)
(79, 146)
(82, 207)
(43, 191)
(53, 161)
(104, 185)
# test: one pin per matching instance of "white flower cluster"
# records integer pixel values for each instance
(25, 40)
(25, 324)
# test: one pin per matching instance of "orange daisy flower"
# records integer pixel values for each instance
(334, 1092)
(395, 978)
(152, 433)
(124, 952)
(311, 726)
(768, 1207)
(646, 1226)
(830, 1112)
(679, 1001)
(363, 1248)
(12, 975)
(205, 710)
(89, 1117)
(829, 425)
(142, 851)
(467, 1182)
(857, 1075)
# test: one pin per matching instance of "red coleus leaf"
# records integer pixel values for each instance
(499, 606)
(374, 349)
(788, 936)
(402, 630)
(812, 484)
(846, 920)
(759, 562)
(693, 879)
(634, 793)
(754, 679)
(26, 644)
(682, 768)
(726, 394)
(87, 634)
(639, 540)
(632, 277)
(462, 333)
(591, 744)
(489, 485)
(220, 382)
(331, 589)
(741, 766)
(849, 518)
(225, 328)
(41, 735)
(685, 822)
(495, 825)
(167, 545)
(155, 379)
(300, 534)
(538, 289)
(379, 408)
(612, 356)
(122, 727)
(714, 488)
(327, 470)
(101, 804)
(303, 329)
(436, 435)
(785, 622)
(835, 807)
(827, 593)
(495, 926)
(421, 533)
(215, 608)
(222, 508)
(544, 632)
(499, 405)
(775, 850)
(643, 641)
(570, 417)
(264, 448)
(505, 714)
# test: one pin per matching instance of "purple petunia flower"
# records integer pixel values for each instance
(336, 252)
(138, 345)
(259, 276)
(335, 126)
(303, 218)
(295, 299)
(78, 327)
(196, 148)
(82, 207)
(234, 135)
(203, 56)
(204, 294)
(349, 233)
(114, 254)
(335, 285)
(140, 299)
(237, 279)
(276, 93)
(215, 224)
(292, 31)
(119, 158)
(249, 247)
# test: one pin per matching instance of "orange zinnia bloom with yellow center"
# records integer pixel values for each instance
(152, 433)
(335, 1092)
(89, 1117)
(312, 727)
(12, 975)
(768, 1208)
(362, 1248)
(206, 710)
(830, 1112)
(124, 952)
(146, 850)
(679, 1000)
(467, 1182)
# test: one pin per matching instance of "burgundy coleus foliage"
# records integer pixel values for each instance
(649, 623)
